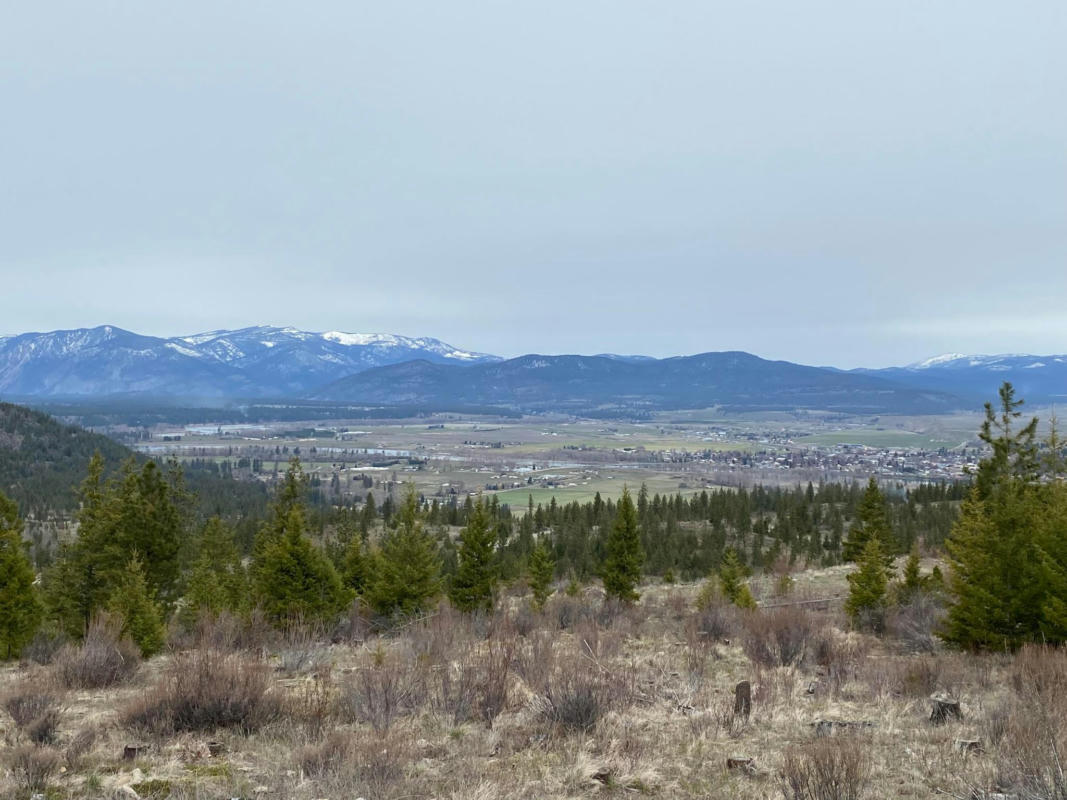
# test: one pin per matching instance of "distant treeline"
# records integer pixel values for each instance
(137, 414)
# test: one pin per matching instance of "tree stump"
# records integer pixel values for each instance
(131, 752)
(944, 709)
(742, 763)
(743, 699)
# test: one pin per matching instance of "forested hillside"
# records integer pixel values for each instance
(42, 461)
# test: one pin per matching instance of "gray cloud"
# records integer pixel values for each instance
(863, 183)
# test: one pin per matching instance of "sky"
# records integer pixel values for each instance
(847, 183)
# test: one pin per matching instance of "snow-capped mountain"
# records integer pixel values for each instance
(251, 362)
(1037, 379)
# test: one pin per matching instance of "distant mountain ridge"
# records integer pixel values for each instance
(259, 361)
(1037, 379)
(276, 363)
(609, 385)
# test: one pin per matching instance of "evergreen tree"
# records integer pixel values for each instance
(866, 601)
(145, 511)
(1008, 549)
(217, 582)
(406, 573)
(732, 575)
(912, 582)
(474, 581)
(20, 608)
(132, 602)
(872, 522)
(294, 580)
(621, 571)
(542, 570)
(356, 566)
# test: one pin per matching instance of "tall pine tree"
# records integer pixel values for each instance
(475, 578)
(406, 571)
(20, 608)
(624, 557)
(872, 522)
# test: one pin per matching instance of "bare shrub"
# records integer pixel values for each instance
(567, 611)
(34, 766)
(301, 648)
(526, 620)
(835, 768)
(917, 677)
(435, 637)
(915, 624)
(777, 637)
(205, 690)
(379, 766)
(313, 704)
(44, 646)
(1033, 750)
(535, 660)
(79, 745)
(34, 707)
(578, 695)
(840, 657)
(372, 767)
(104, 658)
(716, 622)
(455, 692)
(329, 757)
(493, 694)
(380, 693)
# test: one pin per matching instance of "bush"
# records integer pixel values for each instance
(827, 769)
(777, 637)
(326, 758)
(1033, 747)
(104, 658)
(577, 696)
(380, 693)
(206, 690)
(34, 708)
(34, 766)
(567, 611)
(916, 622)
(44, 646)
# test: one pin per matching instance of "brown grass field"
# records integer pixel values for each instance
(584, 699)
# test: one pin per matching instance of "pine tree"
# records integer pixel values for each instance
(20, 608)
(144, 510)
(872, 522)
(621, 570)
(732, 581)
(354, 572)
(406, 573)
(217, 582)
(867, 588)
(542, 569)
(474, 581)
(132, 602)
(294, 580)
(912, 582)
(1007, 551)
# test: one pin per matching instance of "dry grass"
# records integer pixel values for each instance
(577, 701)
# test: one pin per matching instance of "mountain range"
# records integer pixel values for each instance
(250, 362)
(384, 369)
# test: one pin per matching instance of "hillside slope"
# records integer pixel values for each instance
(585, 384)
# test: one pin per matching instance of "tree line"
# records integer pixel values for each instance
(142, 554)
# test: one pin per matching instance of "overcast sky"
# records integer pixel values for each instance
(849, 183)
